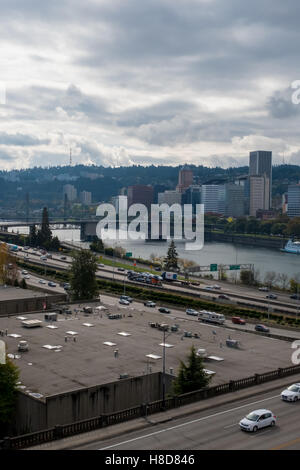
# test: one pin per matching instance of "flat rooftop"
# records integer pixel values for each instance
(16, 293)
(88, 361)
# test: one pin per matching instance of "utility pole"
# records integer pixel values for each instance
(27, 207)
(164, 370)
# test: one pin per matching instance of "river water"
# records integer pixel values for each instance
(263, 259)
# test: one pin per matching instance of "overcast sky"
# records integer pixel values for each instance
(127, 82)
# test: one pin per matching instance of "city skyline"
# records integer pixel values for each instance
(156, 83)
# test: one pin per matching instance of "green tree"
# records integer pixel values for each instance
(191, 376)
(55, 244)
(97, 245)
(23, 284)
(9, 375)
(83, 275)
(171, 260)
(246, 277)
(32, 236)
(293, 227)
(44, 235)
(253, 225)
(240, 224)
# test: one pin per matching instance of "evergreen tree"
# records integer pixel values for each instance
(55, 244)
(32, 236)
(191, 376)
(23, 284)
(97, 245)
(44, 236)
(171, 260)
(83, 275)
(9, 375)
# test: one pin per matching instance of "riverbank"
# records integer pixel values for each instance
(255, 240)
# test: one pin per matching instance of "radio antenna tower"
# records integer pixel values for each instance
(70, 156)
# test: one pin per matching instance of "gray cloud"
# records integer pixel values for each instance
(21, 140)
(125, 79)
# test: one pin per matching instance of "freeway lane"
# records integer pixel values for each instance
(217, 429)
(113, 273)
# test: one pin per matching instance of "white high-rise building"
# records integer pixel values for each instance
(70, 191)
(259, 194)
(213, 198)
(85, 198)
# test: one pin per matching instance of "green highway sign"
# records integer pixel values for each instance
(234, 266)
(129, 255)
(214, 267)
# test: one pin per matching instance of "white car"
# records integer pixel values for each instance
(191, 311)
(216, 286)
(42, 281)
(24, 272)
(149, 303)
(101, 265)
(26, 276)
(291, 393)
(257, 419)
(124, 302)
(209, 288)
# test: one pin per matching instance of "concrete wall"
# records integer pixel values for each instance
(65, 408)
(31, 415)
(16, 306)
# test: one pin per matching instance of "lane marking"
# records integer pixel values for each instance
(187, 423)
(286, 444)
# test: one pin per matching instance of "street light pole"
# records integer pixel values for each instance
(164, 370)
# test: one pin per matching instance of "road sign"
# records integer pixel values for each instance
(234, 266)
(128, 255)
(214, 267)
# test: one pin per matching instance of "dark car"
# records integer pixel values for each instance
(271, 296)
(223, 296)
(262, 328)
(164, 310)
(238, 320)
(295, 296)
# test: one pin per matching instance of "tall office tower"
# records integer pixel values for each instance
(70, 191)
(192, 196)
(85, 197)
(293, 200)
(140, 194)
(260, 163)
(169, 197)
(259, 194)
(213, 198)
(244, 182)
(234, 200)
(185, 179)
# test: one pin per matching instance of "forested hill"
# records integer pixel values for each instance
(45, 184)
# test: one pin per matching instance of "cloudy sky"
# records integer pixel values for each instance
(125, 82)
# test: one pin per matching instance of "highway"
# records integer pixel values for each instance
(216, 429)
(237, 293)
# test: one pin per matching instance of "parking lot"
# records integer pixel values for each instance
(86, 349)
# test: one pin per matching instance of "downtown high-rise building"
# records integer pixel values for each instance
(260, 164)
(70, 191)
(259, 194)
(185, 179)
(293, 200)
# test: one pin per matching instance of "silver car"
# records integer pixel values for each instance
(257, 419)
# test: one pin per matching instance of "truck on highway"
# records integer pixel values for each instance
(211, 317)
(167, 276)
